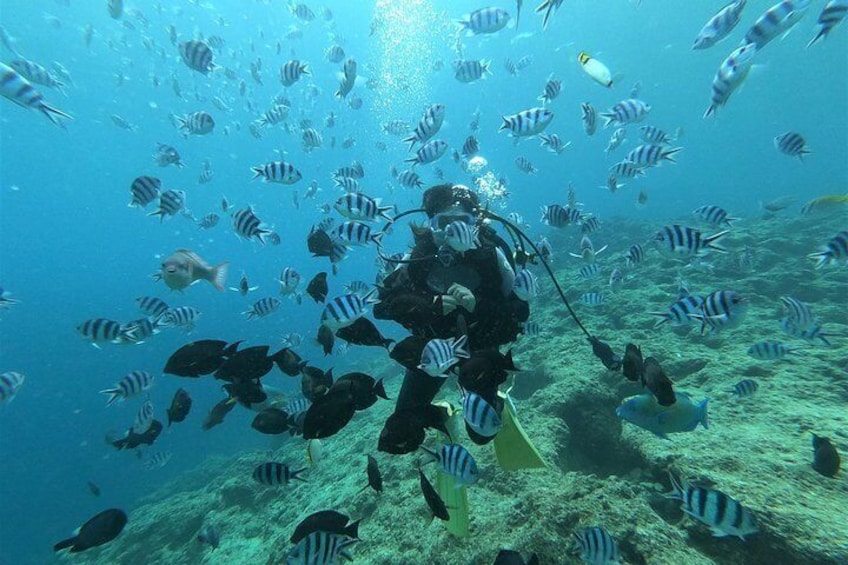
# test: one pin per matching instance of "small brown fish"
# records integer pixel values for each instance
(184, 267)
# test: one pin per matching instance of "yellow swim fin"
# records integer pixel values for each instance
(513, 448)
(455, 499)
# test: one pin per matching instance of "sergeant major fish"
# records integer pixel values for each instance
(775, 21)
(527, 122)
(831, 15)
(19, 90)
(720, 25)
(730, 75)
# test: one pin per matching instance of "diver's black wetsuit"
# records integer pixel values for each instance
(411, 297)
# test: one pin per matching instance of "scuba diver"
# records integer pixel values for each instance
(458, 280)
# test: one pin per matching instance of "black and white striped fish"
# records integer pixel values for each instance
(650, 155)
(654, 135)
(722, 309)
(439, 355)
(19, 90)
(156, 460)
(359, 206)
(834, 250)
(553, 88)
(792, 143)
(349, 184)
(589, 117)
(627, 169)
(730, 75)
(181, 316)
(525, 166)
(311, 139)
(595, 545)
(409, 179)
(681, 312)
(558, 216)
(137, 331)
(196, 123)
(635, 255)
(151, 305)
(171, 202)
(775, 21)
(799, 313)
(684, 241)
(348, 78)
(470, 147)
(247, 224)
(275, 474)
(461, 237)
(197, 56)
(480, 415)
(745, 387)
(144, 190)
(395, 127)
(354, 232)
(592, 299)
(485, 20)
(724, 515)
(36, 74)
(344, 310)
(428, 125)
(812, 333)
(289, 281)
(526, 285)
(208, 221)
(302, 11)
(10, 383)
(627, 111)
(430, 152)
(618, 137)
(770, 350)
(589, 224)
(714, 215)
(589, 271)
(99, 330)
(263, 307)
(470, 70)
(276, 115)
(143, 418)
(554, 143)
(527, 122)
(321, 548)
(281, 172)
(456, 461)
(292, 71)
(355, 171)
(132, 384)
(720, 25)
(831, 15)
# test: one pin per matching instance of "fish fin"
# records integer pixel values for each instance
(219, 275)
(702, 409)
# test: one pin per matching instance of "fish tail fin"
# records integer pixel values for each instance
(64, 544)
(219, 275)
(377, 238)
(54, 114)
(459, 349)
(295, 475)
(380, 390)
(710, 241)
(114, 395)
(669, 155)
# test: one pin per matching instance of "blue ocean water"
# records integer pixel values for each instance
(71, 249)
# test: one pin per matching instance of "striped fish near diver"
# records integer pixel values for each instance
(596, 546)
(730, 75)
(19, 90)
(480, 415)
(439, 355)
(428, 125)
(180, 317)
(456, 461)
(461, 237)
(724, 515)
(132, 384)
(722, 309)
(344, 310)
(680, 313)
(430, 152)
(99, 330)
(354, 232)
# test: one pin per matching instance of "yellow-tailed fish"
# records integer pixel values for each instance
(825, 205)
(599, 72)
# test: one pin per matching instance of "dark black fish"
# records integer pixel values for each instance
(271, 421)
(512, 557)
(93, 489)
(314, 382)
(325, 521)
(375, 479)
(363, 332)
(825, 457)
(655, 379)
(605, 353)
(289, 362)
(199, 358)
(133, 440)
(320, 244)
(330, 413)
(408, 351)
(404, 430)
(251, 363)
(180, 406)
(326, 339)
(633, 365)
(485, 370)
(209, 535)
(216, 415)
(364, 388)
(100, 529)
(246, 392)
(434, 501)
(317, 287)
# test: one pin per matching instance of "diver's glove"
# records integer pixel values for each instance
(605, 353)
(463, 297)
